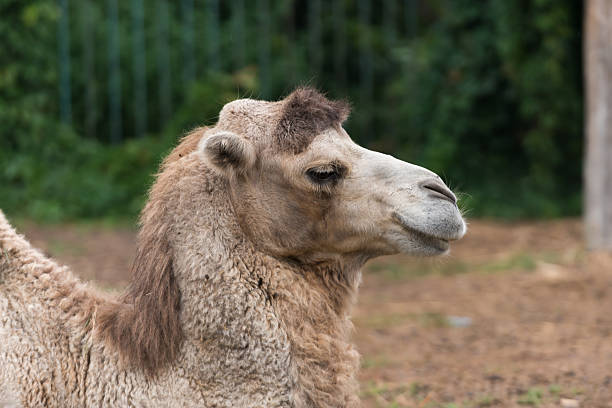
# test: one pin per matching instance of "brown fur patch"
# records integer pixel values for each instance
(144, 325)
(306, 113)
(187, 145)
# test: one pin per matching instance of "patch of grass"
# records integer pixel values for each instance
(484, 401)
(416, 395)
(433, 319)
(386, 320)
(107, 223)
(487, 401)
(575, 391)
(453, 268)
(373, 389)
(418, 390)
(381, 360)
(59, 247)
(384, 395)
(397, 271)
(521, 261)
(533, 397)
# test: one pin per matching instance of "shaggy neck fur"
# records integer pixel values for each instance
(193, 243)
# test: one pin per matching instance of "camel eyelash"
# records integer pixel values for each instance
(327, 174)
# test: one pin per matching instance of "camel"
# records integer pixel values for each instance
(248, 264)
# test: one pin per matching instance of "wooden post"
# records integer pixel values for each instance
(598, 111)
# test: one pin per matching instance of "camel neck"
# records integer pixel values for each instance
(231, 290)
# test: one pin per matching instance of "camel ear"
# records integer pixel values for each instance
(228, 151)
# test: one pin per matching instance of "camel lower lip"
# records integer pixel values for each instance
(439, 243)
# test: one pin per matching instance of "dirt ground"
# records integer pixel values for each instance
(517, 315)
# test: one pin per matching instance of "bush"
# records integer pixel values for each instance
(58, 175)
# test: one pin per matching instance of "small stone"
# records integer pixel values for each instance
(569, 403)
(459, 321)
(551, 272)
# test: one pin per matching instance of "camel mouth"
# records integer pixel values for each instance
(438, 239)
(438, 244)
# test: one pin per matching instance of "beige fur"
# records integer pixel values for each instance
(247, 267)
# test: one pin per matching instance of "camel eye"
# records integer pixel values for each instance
(324, 175)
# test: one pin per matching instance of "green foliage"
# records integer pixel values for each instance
(66, 176)
(488, 94)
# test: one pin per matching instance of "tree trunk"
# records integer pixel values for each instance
(598, 110)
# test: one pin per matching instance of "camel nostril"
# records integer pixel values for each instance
(439, 190)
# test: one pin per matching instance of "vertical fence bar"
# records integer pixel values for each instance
(139, 69)
(292, 52)
(63, 34)
(212, 13)
(389, 21)
(263, 48)
(115, 73)
(314, 36)
(88, 46)
(163, 62)
(187, 33)
(339, 41)
(412, 17)
(238, 22)
(365, 54)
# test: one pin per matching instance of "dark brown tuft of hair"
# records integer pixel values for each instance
(144, 325)
(305, 114)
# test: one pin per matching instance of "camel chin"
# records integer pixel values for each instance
(427, 230)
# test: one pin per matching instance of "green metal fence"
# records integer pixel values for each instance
(125, 67)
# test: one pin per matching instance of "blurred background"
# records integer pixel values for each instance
(486, 93)
(489, 94)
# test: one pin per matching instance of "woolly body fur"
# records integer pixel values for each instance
(209, 319)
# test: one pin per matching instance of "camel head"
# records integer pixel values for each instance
(301, 188)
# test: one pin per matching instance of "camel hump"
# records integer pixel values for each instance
(14, 248)
(3, 221)
(9, 239)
